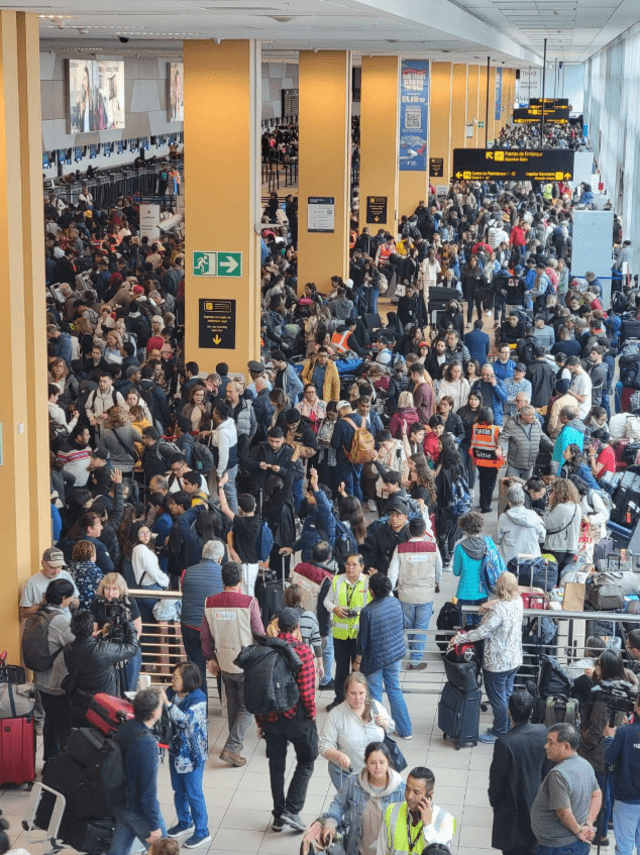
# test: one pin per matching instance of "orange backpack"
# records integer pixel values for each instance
(362, 445)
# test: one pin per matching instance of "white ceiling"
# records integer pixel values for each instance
(510, 31)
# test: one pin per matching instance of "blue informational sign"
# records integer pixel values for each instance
(414, 115)
(498, 112)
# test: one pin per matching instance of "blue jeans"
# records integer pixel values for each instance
(397, 704)
(297, 495)
(189, 799)
(327, 660)
(230, 489)
(577, 848)
(126, 825)
(372, 300)
(470, 619)
(132, 670)
(470, 467)
(607, 805)
(350, 474)
(626, 827)
(417, 616)
(499, 686)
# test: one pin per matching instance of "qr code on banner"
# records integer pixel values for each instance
(413, 120)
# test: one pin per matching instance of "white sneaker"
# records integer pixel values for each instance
(371, 505)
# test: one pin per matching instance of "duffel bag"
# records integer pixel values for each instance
(16, 699)
(603, 594)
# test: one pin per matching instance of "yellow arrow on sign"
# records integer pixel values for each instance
(458, 175)
(217, 339)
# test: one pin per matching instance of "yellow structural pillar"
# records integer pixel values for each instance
(325, 166)
(458, 112)
(440, 117)
(379, 129)
(472, 107)
(25, 520)
(222, 264)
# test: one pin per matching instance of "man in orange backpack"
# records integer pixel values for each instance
(350, 441)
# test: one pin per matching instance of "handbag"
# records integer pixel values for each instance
(167, 610)
(397, 757)
(604, 594)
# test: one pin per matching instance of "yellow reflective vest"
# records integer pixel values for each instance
(397, 833)
(349, 597)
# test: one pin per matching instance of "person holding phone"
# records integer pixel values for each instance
(417, 822)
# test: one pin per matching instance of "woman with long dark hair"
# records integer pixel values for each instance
(450, 468)
(474, 284)
(486, 455)
(469, 415)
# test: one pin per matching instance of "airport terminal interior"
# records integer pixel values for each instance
(248, 146)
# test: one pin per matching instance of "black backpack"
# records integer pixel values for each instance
(344, 544)
(35, 640)
(527, 351)
(448, 619)
(202, 460)
(270, 667)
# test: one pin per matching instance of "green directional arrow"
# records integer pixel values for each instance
(230, 264)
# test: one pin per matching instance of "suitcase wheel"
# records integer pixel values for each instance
(444, 736)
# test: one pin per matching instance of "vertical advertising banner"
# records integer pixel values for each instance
(414, 115)
(530, 84)
(498, 106)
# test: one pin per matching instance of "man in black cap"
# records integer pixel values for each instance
(270, 457)
(257, 369)
(383, 537)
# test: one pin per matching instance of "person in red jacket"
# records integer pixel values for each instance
(518, 239)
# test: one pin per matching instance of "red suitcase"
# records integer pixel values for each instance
(107, 712)
(17, 750)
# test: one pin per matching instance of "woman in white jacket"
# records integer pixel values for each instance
(146, 571)
(520, 530)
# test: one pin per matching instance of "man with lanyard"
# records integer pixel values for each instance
(348, 595)
(412, 825)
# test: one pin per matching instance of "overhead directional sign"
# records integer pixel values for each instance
(555, 112)
(480, 164)
(225, 264)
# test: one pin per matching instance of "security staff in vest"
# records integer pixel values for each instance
(348, 595)
(412, 825)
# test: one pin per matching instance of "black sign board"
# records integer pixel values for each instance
(376, 209)
(218, 324)
(479, 164)
(533, 114)
(559, 102)
(436, 167)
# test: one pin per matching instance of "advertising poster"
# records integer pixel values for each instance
(176, 92)
(414, 115)
(498, 112)
(96, 95)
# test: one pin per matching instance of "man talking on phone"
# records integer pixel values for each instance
(412, 825)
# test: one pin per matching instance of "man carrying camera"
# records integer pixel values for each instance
(564, 812)
(91, 662)
(623, 754)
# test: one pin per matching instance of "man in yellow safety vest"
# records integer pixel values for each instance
(412, 825)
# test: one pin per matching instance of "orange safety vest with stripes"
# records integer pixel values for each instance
(340, 341)
(484, 446)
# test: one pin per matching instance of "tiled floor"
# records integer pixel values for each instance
(239, 800)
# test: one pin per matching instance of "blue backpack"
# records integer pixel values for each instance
(461, 500)
(491, 567)
(264, 541)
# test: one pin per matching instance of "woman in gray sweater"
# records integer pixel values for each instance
(118, 436)
(562, 519)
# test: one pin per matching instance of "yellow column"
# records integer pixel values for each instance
(221, 124)
(458, 112)
(482, 104)
(472, 105)
(25, 523)
(492, 105)
(379, 129)
(324, 171)
(440, 117)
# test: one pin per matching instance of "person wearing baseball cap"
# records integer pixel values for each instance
(53, 567)
(380, 544)
(297, 726)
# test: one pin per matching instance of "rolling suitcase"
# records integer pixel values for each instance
(17, 729)
(459, 715)
(107, 713)
(462, 675)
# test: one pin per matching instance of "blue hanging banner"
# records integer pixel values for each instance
(414, 115)
(498, 112)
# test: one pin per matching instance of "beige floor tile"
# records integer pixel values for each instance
(232, 841)
(471, 835)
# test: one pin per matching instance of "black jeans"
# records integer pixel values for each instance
(193, 649)
(302, 734)
(57, 723)
(344, 651)
(487, 476)
(447, 533)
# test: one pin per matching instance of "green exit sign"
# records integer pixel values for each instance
(221, 264)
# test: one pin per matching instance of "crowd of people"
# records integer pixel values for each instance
(355, 441)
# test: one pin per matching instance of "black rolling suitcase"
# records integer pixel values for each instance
(459, 715)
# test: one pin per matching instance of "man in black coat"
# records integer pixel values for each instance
(519, 764)
(542, 376)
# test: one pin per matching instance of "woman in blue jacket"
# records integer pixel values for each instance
(380, 647)
(187, 709)
(575, 464)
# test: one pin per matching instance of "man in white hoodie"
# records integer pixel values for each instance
(224, 440)
(520, 530)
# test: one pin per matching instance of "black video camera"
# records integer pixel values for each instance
(116, 614)
(618, 695)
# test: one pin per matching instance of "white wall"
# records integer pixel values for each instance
(612, 95)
